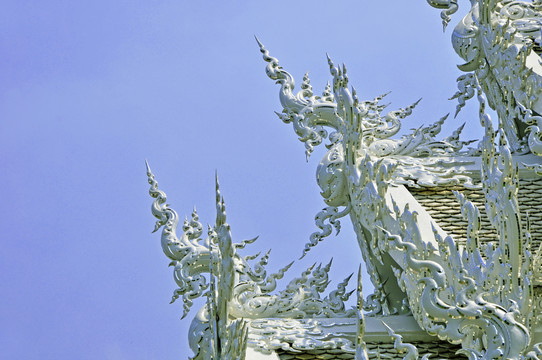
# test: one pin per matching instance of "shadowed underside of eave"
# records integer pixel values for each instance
(438, 350)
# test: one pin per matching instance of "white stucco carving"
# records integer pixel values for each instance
(482, 294)
(359, 175)
(235, 288)
(500, 44)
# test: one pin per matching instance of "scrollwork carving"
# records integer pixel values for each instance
(500, 43)
(235, 289)
(473, 295)
(352, 178)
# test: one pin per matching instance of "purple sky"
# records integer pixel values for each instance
(88, 90)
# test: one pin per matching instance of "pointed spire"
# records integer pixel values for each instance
(355, 96)
(220, 207)
(380, 97)
(259, 42)
(328, 266)
(345, 76)
(361, 347)
(332, 69)
(306, 87)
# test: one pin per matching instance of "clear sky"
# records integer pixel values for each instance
(89, 89)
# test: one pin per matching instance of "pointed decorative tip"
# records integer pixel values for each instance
(390, 330)
(147, 166)
(258, 41)
(329, 61)
(417, 102)
(456, 113)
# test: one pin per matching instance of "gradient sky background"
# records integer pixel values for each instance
(89, 89)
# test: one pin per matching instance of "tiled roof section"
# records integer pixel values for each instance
(439, 350)
(442, 205)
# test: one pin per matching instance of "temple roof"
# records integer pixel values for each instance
(441, 203)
